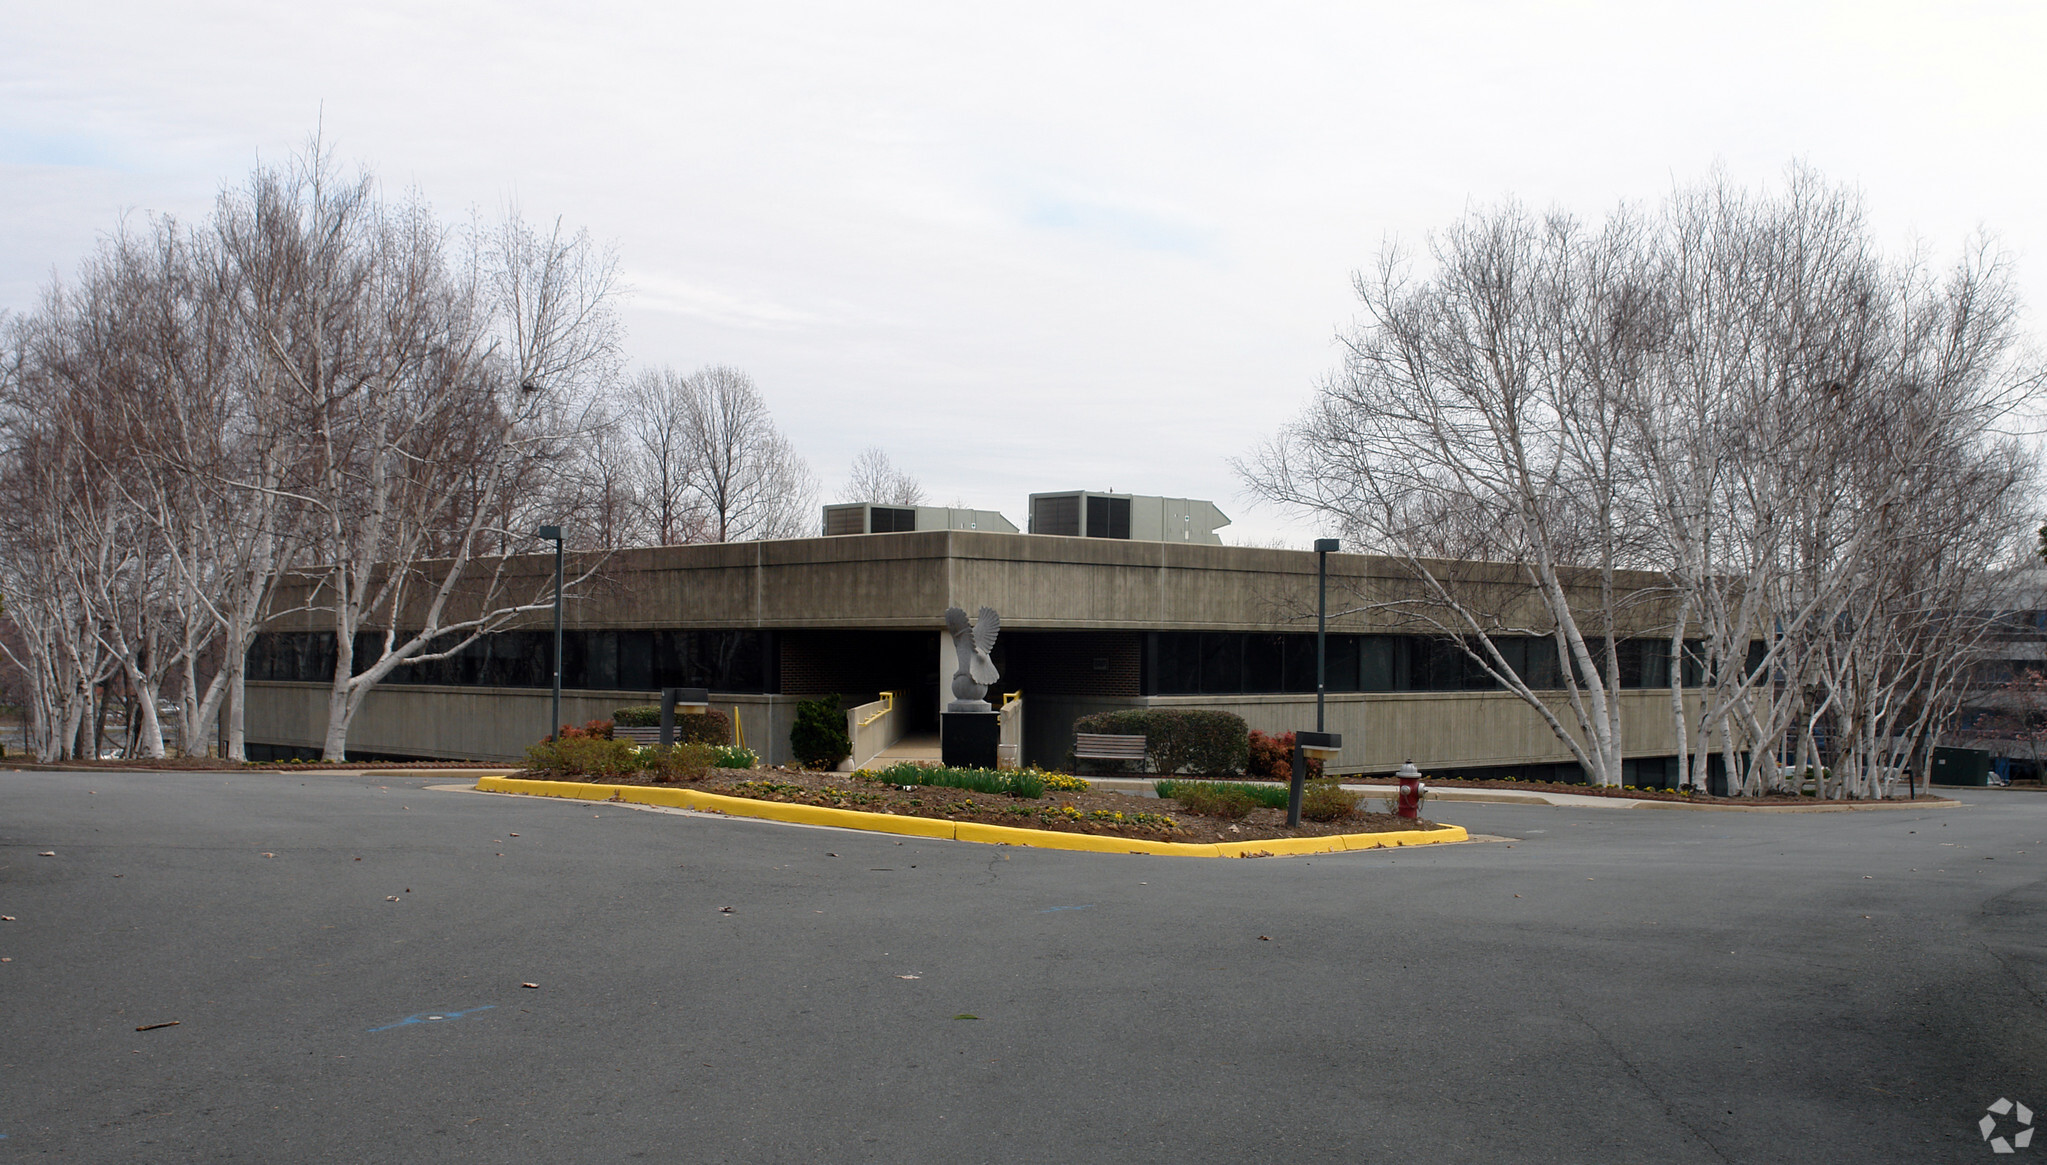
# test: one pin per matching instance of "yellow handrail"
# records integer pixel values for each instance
(891, 698)
(1009, 698)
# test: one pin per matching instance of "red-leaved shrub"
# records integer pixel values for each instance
(1272, 758)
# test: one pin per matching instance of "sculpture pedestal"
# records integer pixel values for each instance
(968, 740)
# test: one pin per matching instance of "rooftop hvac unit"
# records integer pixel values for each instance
(1136, 517)
(875, 518)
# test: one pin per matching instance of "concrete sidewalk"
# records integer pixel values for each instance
(1142, 787)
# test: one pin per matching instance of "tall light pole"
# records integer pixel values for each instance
(1320, 744)
(554, 719)
(1324, 547)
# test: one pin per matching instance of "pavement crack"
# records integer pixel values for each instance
(1669, 1107)
(2038, 1001)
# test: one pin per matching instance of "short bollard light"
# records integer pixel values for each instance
(1411, 789)
(1322, 746)
(685, 700)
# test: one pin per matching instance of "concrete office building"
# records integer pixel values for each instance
(1089, 623)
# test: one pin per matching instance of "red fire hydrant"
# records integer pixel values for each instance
(1411, 790)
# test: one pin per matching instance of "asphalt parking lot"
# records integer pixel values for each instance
(1617, 985)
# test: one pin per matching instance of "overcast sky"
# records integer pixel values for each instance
(1022, 247)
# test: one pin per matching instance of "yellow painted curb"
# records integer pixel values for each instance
(973, 831)
(1089, 842)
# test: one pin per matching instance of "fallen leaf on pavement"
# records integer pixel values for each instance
(269, 855)
(48, 853)
(390, 897)
(150, 1027)
(535, 986)
(909, 976)
(724, 910)
(1264, 938)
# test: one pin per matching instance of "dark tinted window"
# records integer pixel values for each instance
(1264, 663)
(1343, 664)
(630, 660)
(1222, 662)
(1300, 663)
(1376, 657)
(1179, 664)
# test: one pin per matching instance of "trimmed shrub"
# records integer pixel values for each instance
(1328, 801)
(707, 727)
(579, 754)
(819, 737)
(1272, 758)
(679, 762)
(1215, 801)
(1198, 740)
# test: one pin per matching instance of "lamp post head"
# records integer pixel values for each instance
(554, 532)
(1322, 746)
(1327, 545)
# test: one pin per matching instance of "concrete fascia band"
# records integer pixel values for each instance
(931, 827)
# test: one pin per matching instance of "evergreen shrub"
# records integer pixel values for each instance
(819, 737)
(1199, 740)
(707, 727)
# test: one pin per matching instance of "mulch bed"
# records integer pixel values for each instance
(1056, 811)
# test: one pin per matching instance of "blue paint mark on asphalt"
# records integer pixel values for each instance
(430, 1016)
(1056, 909)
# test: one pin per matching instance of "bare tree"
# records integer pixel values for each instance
(56, 644)
(1792, 441)
(1477, 417)
(660, 405)
(876, 479)
(318, 374)
(428, 381)
(715, 467)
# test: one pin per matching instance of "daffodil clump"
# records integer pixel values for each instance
(1070, 815)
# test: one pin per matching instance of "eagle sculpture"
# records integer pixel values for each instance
(976, 667)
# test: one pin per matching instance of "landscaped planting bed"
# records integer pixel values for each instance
(1025, 799)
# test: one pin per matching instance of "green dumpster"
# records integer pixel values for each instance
(1960, 766)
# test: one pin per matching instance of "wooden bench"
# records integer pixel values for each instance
(642, 736)
(1107, 746)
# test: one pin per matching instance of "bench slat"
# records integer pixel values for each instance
(1106, 746)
